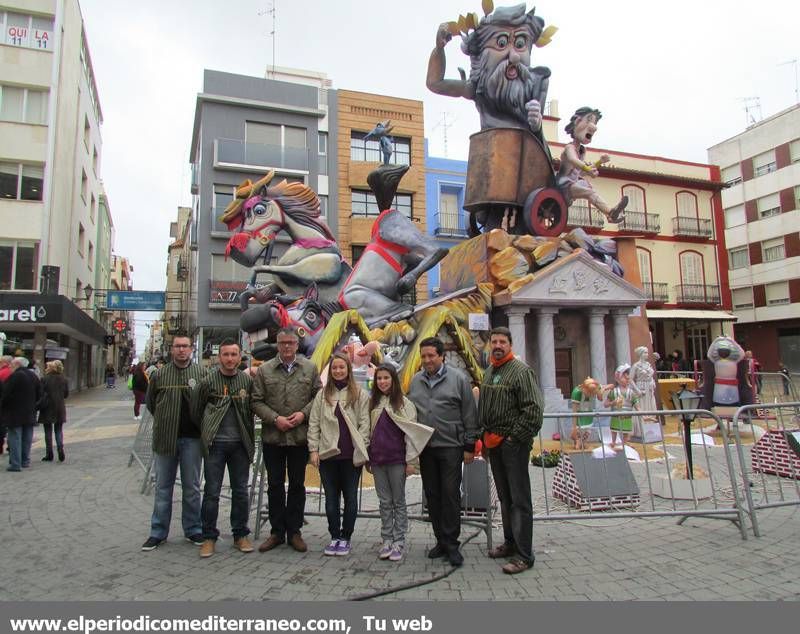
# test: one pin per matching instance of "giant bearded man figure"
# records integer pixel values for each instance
(506, 91)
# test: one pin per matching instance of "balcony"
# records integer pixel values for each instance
(640, 222)
(657, 292)
(260, 156)
(707, 294)
(692, 227)
(450, 224)
(579, 216)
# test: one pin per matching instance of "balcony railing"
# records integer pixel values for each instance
(656, 291)
(638, 221)
(450, 225)
(694, 227)
(260, 155)
(697, 294)
(585, 217)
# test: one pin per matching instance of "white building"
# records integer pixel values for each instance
(762, 219)
(50, 188)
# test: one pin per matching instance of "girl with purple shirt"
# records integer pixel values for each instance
(338, 435)
(396, 440)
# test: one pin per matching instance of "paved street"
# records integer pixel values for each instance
(73, 531)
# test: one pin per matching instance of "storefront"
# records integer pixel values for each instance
(47, 327)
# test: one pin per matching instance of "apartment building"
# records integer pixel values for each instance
(123, 345)
(180, 265)
(674, 217)
(50, 187)
(761, 206)
(243, 128)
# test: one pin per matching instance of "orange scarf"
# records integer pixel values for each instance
(498, 362)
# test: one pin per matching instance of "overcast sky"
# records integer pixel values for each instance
(670, 78)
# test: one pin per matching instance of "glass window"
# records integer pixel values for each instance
(223, 195)
(265, 133)
(773, 250)
(6, 266)
(777, 293)
(87, 130)
(294, 137)
(32, 182)
(764, 163)
(81, 238)
(9, 180)
(735, 216)
(769, 206)
(742, 297)
(322, 147)
(691, 268)
(687, 205)
(323, 206)
(739, 258)
(369, 150)
(36, 107)
(17, 31)
(732, 175)
(84, 185)
(645, 265)
(636, 200)
(794, 151)
(364, 203)
(11, 100)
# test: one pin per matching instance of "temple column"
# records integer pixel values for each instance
(547, 353)
(597, 344)
(622, 341)
(516, 324)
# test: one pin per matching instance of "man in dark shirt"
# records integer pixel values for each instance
(176, 442)
(221, 402)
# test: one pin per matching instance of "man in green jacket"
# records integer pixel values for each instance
(176, 442)
(283, 389)
(510, 415)
(221, 402)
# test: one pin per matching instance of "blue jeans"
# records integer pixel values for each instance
(190, 459)
(48, 436)
(20, 440)
(234, 455)
(340, 480)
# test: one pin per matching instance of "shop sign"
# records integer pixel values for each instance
(32, 313)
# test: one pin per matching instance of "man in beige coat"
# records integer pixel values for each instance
(283, 389)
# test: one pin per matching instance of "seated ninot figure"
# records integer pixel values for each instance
(725, 375)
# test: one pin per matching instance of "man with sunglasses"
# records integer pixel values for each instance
(176, 443)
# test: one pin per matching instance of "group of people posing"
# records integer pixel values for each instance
(206, 420)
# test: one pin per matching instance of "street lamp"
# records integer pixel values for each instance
(87, 291)
(687, 400)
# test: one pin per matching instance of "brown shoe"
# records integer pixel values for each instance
(207, 548)
(271, 542)
(243, 544)
(296, 542)
(515, 566)
(502, 551)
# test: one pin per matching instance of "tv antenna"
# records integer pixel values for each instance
(272, 10)
(752, 105)
(445, 125)
(796, 78)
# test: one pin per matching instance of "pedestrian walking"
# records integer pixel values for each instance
(22, 392)
(221, 402)
(396, 440)
(5, 372)
(176, 444)
(53, 414)
(444, 401)
(510, 413)
(111, 376)
(139, 385)
(283, 389)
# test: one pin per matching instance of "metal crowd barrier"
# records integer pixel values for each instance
(772, 477)
(585, 487)
(142, 451)
(478, 504)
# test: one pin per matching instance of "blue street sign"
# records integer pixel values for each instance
(136, 300)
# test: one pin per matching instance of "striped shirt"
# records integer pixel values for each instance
(511, 402)
(212, 398)
(167, 393)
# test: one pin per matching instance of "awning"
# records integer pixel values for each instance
(703, 315)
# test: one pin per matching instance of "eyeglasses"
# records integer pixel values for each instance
(181, 345)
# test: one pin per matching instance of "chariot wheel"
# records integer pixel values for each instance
(545, 212)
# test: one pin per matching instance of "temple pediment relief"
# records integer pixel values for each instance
(577, 280)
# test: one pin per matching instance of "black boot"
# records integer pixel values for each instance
(48, 457)
(61, 456)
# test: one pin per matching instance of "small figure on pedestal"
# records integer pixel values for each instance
(574, 170)
(381, 132)
(642, 375)
(623, 397)
(584, 399)
(725, 375)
